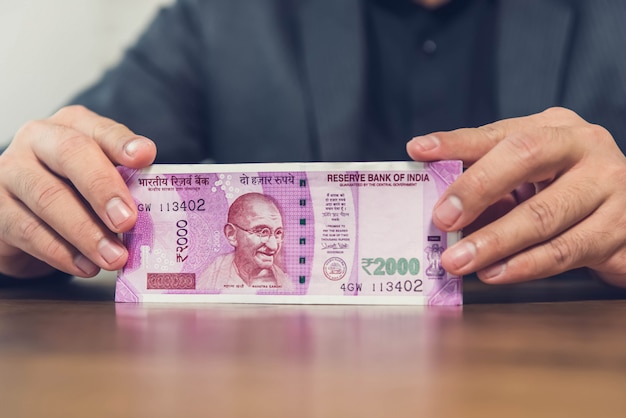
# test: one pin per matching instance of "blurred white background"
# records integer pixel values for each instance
(49, 50)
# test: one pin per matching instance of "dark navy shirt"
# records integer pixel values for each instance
(428, 70)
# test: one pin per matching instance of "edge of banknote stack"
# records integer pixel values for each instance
(339, 233)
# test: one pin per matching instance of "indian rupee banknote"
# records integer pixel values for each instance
(330, 233)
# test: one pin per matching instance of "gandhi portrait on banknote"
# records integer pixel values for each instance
(254, 228)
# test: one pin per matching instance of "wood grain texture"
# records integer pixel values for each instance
(78, 354)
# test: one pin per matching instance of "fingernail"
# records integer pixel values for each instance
(449, 211)
(85, 265)
(110, 251)
(135, 145)
(117, 211)
(493, 271)
(425, 143)
(461, 254)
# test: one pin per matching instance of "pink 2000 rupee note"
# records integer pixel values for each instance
(330, 233)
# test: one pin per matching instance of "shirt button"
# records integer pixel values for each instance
(429, 47)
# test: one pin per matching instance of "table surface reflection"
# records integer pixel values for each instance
(74, 353)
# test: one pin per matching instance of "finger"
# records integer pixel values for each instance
(119, 143)
(55, 203)
(580, 246)
(565, 203)
(533, 156)
(493, 212)
(73, 156)
(471, 144)
(24, 231)
(466, 144)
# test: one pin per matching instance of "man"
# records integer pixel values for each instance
(279, 80)
(255, 230)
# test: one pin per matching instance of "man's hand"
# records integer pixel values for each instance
(62, 201)
(542, 194)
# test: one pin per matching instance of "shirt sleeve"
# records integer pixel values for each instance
(157, 88)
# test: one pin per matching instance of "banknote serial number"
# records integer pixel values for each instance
(193, 205)
(395, 286)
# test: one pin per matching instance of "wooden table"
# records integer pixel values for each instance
(68, 351)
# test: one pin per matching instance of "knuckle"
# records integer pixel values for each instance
(476, 181)
(48, 196)
(70, 113)
(492, 239)
(492, 131)
(576, 248)
(563, 251)
(23, 181)
(56, 249)
(8, 223)
(107, 128)
(524, 266)
(530, 264)
(560, 113)
(70, 148)
(29, 230)
(23, 231)
(526, 148)
(86, 229)
(542, 216)
(30, 129)
(68, 145)
(99, 183)
(596, 133)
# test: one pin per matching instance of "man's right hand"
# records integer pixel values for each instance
(62, 201)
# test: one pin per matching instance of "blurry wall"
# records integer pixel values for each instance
(51, 49)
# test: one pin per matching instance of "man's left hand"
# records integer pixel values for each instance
(541, 195)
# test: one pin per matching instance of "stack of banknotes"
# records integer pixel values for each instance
(323, 233)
